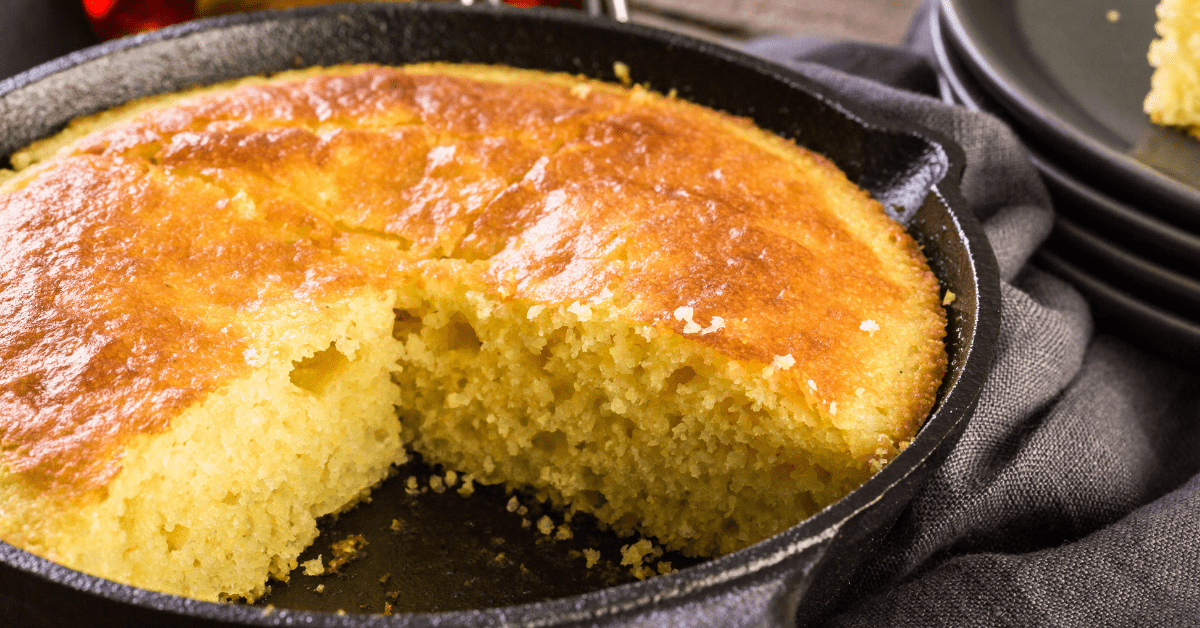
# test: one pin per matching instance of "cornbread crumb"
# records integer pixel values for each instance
(664, 567)
(451, 478)
(1113, 16)
(716, 325)
(634, 555)
(397, 525)
(779, 363)
(949, 298)
(437, 484)
(545, 525)
(564, 533)
(513, 504)
(468, 486)
(313, 567)
(581, 311)
(320, 588)
(685, 313)
(345, 551)
(581, 90)
(385, 577)
(592, 556)
(621, 71)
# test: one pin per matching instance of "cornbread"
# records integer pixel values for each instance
(228, 312)
(1174, 98)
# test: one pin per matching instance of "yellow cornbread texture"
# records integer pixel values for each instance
(1174, 98)
(237, 306)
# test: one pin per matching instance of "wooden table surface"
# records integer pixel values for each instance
(879, 21)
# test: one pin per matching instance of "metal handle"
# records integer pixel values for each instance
(616, 9)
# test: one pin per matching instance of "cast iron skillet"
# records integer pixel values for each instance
(797, 575)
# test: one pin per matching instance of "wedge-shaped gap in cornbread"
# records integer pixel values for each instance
(316, 371)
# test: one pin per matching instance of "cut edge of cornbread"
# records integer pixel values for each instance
(632, 423)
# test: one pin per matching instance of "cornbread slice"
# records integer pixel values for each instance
(187, 385)
(1174, 98)
(229, 309)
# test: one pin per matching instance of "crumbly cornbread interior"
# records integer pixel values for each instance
(1174, 98)
(239, 305)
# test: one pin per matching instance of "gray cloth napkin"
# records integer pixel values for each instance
(1072, 498)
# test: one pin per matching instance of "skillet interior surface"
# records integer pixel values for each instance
(911, 170)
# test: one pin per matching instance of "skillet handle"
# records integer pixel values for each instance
(764, 597)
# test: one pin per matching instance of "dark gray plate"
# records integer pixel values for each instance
(1076, 81)
(1163, 288)
(1083, 211)
(1116, 310)
(1138, 232)
(798, 573)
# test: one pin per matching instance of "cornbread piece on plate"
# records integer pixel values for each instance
(227, 312)
(1174, 98)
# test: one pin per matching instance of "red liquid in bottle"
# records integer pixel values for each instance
(116, 18)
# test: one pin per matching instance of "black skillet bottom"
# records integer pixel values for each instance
(427, 551)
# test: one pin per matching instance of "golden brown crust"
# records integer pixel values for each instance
(134, 247)
(123, 290)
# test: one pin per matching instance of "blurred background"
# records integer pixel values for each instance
(80, 23)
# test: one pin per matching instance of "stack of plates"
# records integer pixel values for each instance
(1070, 77)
